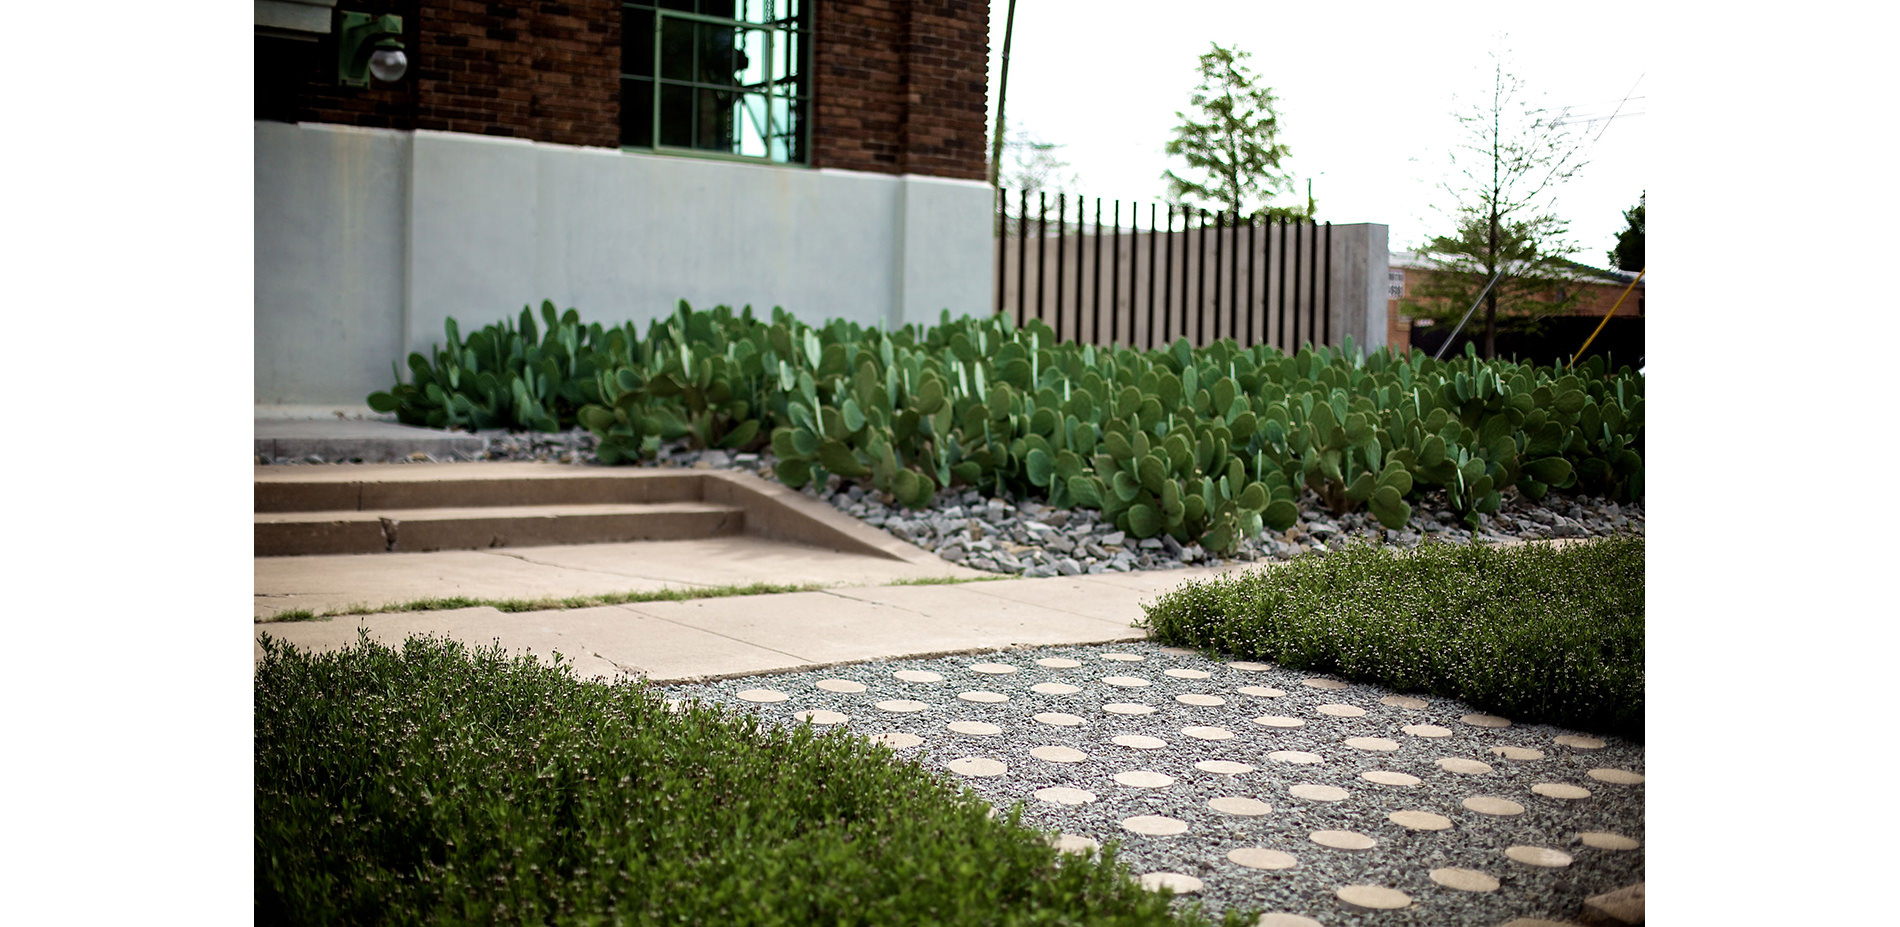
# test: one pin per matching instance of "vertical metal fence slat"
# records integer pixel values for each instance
(1220, 221)
(1115, 276)
(1326, 302)
(1022, 257)
(1299, 259)
(1280, 339)
(1233, 280)
(1167, 283)
(1062, 208)
(1042, 249)
(1199, 283)
(1184, 314)
(1002, 245)
(1253, 276)
(1154, 234)
(1095, 294)
(1312, 289)
(1177, 319)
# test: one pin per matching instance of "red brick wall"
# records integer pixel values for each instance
(898, 86)
(544, 70)
(901, 86)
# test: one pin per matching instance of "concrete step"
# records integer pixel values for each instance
(486, 524)
(341, 508)
(420, 486)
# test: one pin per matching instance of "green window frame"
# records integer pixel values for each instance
(716, 78)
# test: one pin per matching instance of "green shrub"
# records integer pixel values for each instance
(513, 375)
(442, 786)
(1535, 632)
(1209, 445)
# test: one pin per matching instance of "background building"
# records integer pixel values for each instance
(1552, 337)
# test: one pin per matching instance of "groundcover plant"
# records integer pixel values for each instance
(1535, 632)
(441, 785)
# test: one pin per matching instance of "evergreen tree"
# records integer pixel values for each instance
(1628, 253)
(1231, 143)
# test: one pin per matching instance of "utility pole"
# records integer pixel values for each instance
(1491, 296)
(1002, 94)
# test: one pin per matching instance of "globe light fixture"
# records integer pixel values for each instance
(369, 46)
(388, 64)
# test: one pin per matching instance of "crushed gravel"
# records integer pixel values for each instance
(1400, 859)
(1022, 537)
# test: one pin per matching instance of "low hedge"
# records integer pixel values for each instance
(1535, 632)
(439, 785)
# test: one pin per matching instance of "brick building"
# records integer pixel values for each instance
(1597, 291)
(827, 156)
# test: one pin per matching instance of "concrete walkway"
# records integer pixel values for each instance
(862, 616)
(871, 608)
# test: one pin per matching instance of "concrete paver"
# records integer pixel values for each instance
(601, 641)
(852, 624)
(990, 618)
(544, 633)
(1090, 596)
(330, 582)
(695, 638)
(327, 583)
(738, 561)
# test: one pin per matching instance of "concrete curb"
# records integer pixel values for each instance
(779, 513)
(369, 441)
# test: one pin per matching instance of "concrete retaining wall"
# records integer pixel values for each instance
(368, 239)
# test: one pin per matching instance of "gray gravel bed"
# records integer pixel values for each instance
(1401, 859)
(1023, 537)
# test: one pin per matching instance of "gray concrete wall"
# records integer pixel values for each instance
(367, 240)
(329, 250)
(1360, 257)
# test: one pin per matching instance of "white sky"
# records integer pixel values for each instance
(1367, 94)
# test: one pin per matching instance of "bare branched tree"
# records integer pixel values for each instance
(1031, 164)
(1513, 157)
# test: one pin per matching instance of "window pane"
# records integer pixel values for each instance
(636, 43)
(785, 130)
(750, 116)
(782, 49)
(721, 61)
(676, 116)
(724, 9)
(752, 59)
(636, 113)
(786, 48)
(716, 127)
(684, 6)
(676, 49)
